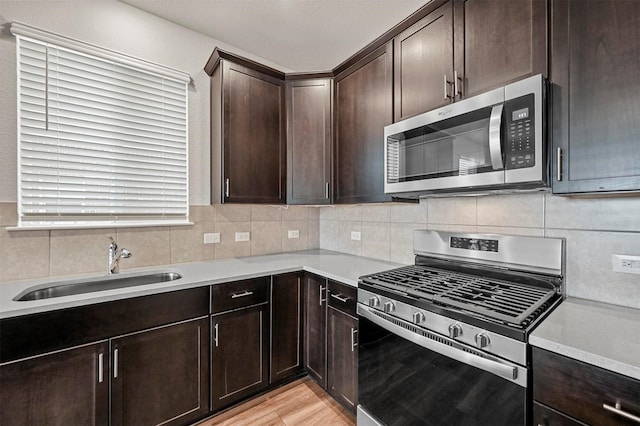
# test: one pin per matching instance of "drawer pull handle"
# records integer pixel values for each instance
(353, 339)
(215, 335)
(100, 368)
(322, 289)
(342, 299)
(619, 411)
(243, 294)
(115, 364)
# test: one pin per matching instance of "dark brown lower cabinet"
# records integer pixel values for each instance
(545, 416)
(286, 326)
(342, 357)
(160, 376)
(239, 354)
(64, 388)
(315, 328)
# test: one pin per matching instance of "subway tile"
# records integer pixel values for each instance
(148, 246)
(202, 213)
(376, 240)
(506, 230)
(466, 229)
(589, 273)
(604, 214)
(24, 254)
(295, 244)
(314, 213)
(452, 211)
(314, 234)
(351, 213)
(228, 247)
(376, 213)
(347, 245)
(264, 213)
(187, 243)
(329, 213)
(515, 210)
(330, 235)
(295, 213)
(266, 237)
(233, 213)
(408, 213)
(81, 251)
(401, 242)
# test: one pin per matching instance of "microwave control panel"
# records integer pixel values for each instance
(520, 135)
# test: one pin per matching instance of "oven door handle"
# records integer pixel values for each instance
(497, 367)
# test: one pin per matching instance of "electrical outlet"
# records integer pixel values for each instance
(293, 233)
(211, 237)
(242, 236)
(356, 235)
(626, 264)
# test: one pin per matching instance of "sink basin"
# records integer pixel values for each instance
(68, 288)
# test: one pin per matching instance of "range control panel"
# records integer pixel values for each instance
(520, 134)
(477, 244)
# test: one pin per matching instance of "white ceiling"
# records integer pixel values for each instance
(298, 35)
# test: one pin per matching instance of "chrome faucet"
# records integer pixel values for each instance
(113, 266)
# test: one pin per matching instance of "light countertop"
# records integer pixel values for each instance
(340, 267)
(606, 336)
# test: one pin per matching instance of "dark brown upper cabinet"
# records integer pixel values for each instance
(498, 42)
(363, 106)
(309, 141)
(596, 96)
(466, 47)
(423, 61)
(248, 147)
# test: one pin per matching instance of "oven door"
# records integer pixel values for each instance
(410, 376)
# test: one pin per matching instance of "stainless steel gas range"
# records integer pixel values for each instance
(444, 341)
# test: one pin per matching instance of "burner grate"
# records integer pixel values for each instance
(512, 303)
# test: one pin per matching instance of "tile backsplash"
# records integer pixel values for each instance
(38, 254)
(594, 229)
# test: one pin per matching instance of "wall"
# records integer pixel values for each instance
(37, 254)
(594, 229)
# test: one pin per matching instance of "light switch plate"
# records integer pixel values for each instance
(626, 264)
(242, 236)
(211, 237)
(293, 233)
(356, 235)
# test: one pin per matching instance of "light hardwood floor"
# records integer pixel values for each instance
(302, 402)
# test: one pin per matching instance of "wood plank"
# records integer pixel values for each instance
(302, 402)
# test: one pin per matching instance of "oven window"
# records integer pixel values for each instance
(402, 383)
(455, 147)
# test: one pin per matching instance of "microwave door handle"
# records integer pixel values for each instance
(495, 148)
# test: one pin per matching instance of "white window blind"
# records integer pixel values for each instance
(102, 137)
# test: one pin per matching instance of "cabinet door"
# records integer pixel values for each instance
(497, 42)
(160, 376)
(363, 106)
(69, 387)
(423, 63)
(545, 416)
(239, 354)
(309, 141)
(315, 328)
(596, 95)
(342, 354)
(253, 136)
(286, 330)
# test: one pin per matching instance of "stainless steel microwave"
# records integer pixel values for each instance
(491, 142)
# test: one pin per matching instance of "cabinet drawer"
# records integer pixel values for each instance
(343, 297)
(545, 416)
(238, 294)
(580, 390)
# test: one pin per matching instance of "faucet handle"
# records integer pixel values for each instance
(125, 253)
(113, 242)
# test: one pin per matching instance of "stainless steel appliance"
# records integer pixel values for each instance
(444, 341)
(487, 143)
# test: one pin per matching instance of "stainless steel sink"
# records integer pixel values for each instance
(68, 288)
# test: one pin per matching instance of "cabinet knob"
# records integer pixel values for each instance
(389, 307)
(374, 301)
(418, 317)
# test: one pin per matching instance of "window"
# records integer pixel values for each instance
(102, 137)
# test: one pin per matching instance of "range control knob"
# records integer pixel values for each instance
(455, 330)
(374, 301)
(418, 317)
(482, 340)
(389, 307)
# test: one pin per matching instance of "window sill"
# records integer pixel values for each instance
(96, 225)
